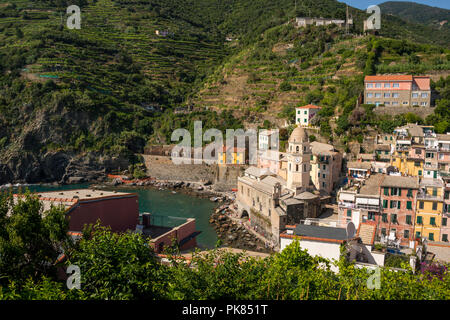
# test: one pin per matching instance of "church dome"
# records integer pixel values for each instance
(298, 135)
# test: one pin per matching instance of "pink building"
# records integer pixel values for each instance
(397, 90)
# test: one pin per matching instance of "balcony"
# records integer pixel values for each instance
(424, 196)
(368, 207)
(347, 205)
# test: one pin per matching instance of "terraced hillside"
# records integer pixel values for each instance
(291, 67)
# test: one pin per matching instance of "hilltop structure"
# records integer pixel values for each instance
(397, 90)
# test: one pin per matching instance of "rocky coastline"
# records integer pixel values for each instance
(235, 235)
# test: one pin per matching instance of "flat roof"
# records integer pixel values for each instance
(320, 232)
(80, 194)
(372, 185)
(400, 182)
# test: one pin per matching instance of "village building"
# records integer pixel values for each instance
(398, 198)
(117, 210)
(272, 201)
(430, 205)
(304, 115)
(397, 90)
(326, 166)
(360, 202)
(358, 170)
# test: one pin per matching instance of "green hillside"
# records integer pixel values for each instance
(78, 96)
(417, 13)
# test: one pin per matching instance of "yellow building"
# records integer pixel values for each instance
(235, 156)
(406, 164)
(429, 209)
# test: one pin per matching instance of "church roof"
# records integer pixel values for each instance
(298, 135)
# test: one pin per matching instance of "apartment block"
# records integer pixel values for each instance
(430, 205)
(398, 197)
(397, 90)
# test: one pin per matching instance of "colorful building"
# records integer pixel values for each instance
(304, 115)
(232, 155)
(397, 90)
(430, 206)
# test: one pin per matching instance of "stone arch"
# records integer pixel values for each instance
(244, 214)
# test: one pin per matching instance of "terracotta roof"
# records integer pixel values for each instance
(389, 78)
(400, 182)
(422, 82)
(366, 232)
(309, 106)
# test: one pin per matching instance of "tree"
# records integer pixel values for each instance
(117, 266)
(31, 239)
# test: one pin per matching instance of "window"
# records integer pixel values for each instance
(371, 216)
(395, 85)
(408, 219)
(406, 234)
(395, 95)
(386, 103)
(393, 218)
(423, 103)
(385, 203)
(383, 231)
(417, 234)
(377, 95)
(409, 205)
(377, 85)
(424, 95)
(386, 191)
(415, 95)
(418, 151)
(433, 221)
(409, 194)
(387, 95)
(420, 204)
(419, 219)
(395, 103)
(434, 206)
(370, 95)
(420, 173)
(384, 217)
(370, 85)
(434, 192)
(387, 85)
(306, 112)
(445, 237)
(444, 222)
(431, 236)
(349, 212)
(405, 102)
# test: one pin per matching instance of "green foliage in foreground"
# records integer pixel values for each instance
(123, 266)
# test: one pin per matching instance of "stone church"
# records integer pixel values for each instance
(272, 201)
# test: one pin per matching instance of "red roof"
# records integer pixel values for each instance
(422, 82)
(389, 78)
(309, 106)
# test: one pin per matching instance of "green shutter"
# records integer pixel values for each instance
(408, 219)
(431, 236)
(444, 222)
(386, 191)
(385, 203)
(406, 234)
(420, 172)
(419, 219)
(433, 221)
(349, 212)
(399, 205)
(408, 205)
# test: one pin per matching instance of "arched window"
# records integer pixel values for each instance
(297, 149)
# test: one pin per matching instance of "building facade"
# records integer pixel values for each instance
(397, 90)
(304, 115)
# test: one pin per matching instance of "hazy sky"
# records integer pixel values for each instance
(363, 4)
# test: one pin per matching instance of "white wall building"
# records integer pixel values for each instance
(304, 115)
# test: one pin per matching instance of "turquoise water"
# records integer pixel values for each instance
(164, 203)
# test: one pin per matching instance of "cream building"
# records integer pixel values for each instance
(271, 201)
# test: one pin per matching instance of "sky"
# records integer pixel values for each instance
(364, 4)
